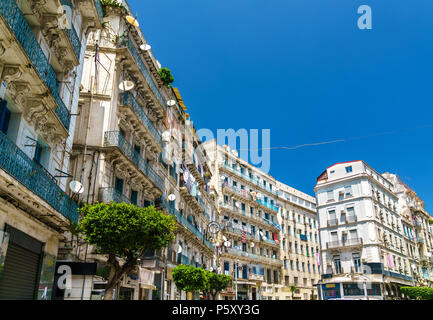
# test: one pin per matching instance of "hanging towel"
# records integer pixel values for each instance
(390, 261)
(274, 235)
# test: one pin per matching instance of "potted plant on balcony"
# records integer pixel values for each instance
(166, 76)
(110, 5)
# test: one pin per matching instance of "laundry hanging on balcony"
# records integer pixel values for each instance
(390, 261)
(274, 235)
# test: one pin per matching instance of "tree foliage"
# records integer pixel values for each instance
(423, 293)
(217, 282)
(125, 231)
(166, 76)
(189, 279)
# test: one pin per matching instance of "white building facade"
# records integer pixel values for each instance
(42, 46)
(363, 251)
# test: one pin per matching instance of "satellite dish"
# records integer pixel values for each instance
(171, 103)
(179, 250)
(222, 177)
(76, 187)
(131, 20)
(126, 85)
(252, 244)
(145, 47)
(227, 244)
(172, 197)
(261, 233)
(224, 238)
(413, 266)
(237, 204)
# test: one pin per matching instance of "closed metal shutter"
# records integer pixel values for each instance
(21, 268)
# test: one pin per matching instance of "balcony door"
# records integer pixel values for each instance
(5, 116)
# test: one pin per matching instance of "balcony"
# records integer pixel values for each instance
(419, 240)
(14, 19)
(187, 224)
(127, 43)
(35, 178)
(345, 244)
(332, 222)
(267, 205)
(254, 257)
(110, 194)
(194, 201)
(244, 194)
(181, 259)
(249, 179)
(150, 133)
(238, 211)
(116, 139)
(256, 277)
(351, 219)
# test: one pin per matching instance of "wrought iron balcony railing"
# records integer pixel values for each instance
(14, 18)
(115, 138)
(332, 222)
(72, 33)
(35, 178)
(99, 9)
(254, 256)
(345, 243)
(267, 205)
(126, 42)
(128, 99)
(185, 222)
(111, 194)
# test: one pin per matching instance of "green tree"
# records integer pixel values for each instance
(190, 279)
(166, 76)
(419, 293)
(216, 283)
(124, 231)
(292, 289)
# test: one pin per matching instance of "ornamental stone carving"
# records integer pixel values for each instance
(11, 73)
(19, 91)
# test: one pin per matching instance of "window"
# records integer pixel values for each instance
(348, 191)
(337, 264)
(5, 116)
(297, 265)
(330, 195)
(356, 262)
(353, 289)
(348, 169)
(291, 264)
(134, 197)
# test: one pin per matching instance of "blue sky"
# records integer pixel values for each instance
(303, 69)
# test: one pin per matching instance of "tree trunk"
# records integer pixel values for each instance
(108, 295)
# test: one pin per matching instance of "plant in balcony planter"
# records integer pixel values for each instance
(112, 4)
(166, 76)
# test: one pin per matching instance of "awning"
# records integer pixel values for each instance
(179, 98)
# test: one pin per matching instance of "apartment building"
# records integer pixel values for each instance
(417, 226)
(299, 245)
(252, 205)
(133, 143)
(363, 250)
(41, 57)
